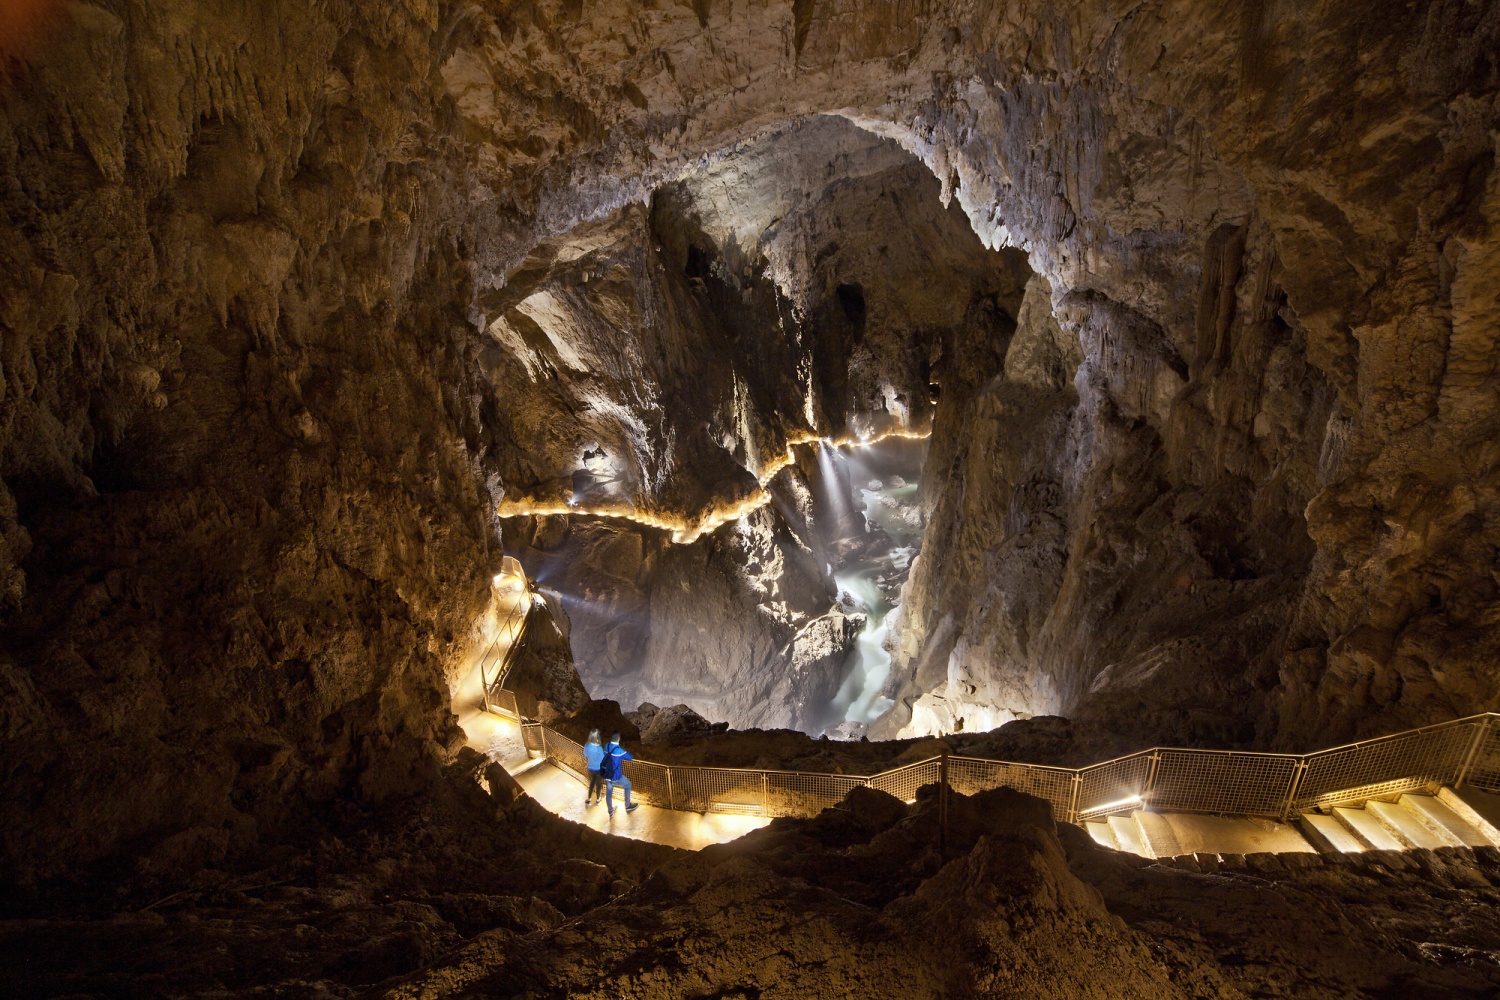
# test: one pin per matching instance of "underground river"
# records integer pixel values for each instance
(881, 484)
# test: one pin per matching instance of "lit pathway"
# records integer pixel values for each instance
(558, 791)
(1429, 818)
(1466, 817)
(561, 793)
(497, 738)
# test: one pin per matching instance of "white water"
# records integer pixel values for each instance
(889, 507)
(859, 698)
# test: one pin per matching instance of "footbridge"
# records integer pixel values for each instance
(1428, 788)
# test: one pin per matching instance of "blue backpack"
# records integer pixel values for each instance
(609, 767)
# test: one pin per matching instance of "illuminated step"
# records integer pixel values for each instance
(1202, 834)
(1329, 835)
(530, 763)
(1403, 825)
(1157, 834)
(1479, 809)
(1102, 834)
(1368, 829)
(1437, 816)
(1128, 834)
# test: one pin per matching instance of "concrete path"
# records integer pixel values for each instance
(559, 792)
(1452, 818)
(496, 737)
(1464, 817)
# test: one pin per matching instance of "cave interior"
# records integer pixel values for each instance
(819, 387)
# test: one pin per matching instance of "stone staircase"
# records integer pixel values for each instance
(1453, 818)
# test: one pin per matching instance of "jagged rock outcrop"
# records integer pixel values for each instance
(662, 725)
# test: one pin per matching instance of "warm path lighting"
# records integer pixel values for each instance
(683, 530)
(1108, 807)
(1439, 808)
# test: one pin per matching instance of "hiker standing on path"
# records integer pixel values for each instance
(593, 755)
(614, 774)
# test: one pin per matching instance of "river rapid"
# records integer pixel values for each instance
(871, 565)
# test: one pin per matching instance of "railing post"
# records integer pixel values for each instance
(1469, 758)
(943, 804)
(1073, 803)
(671, 795)
(1150, 779)
(765, 794)
(1292, 787)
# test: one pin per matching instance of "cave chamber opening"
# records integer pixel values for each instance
(727, 396)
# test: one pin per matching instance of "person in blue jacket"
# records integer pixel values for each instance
(614, 774)
(593, 755)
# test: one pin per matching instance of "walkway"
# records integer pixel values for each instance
(555, 788)
(1421, 789)
(1466, 817)
(558, 791)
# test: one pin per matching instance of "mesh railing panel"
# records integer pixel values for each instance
(1114, 786)
(793, 793)
(561, 750)
(968, 775)
(533, 734)
(503, 700)
(648, 782)
(1225, 783)
(1422, 758)
(903, 782)
(1240, 784)
(1485, 769)
(713, 789)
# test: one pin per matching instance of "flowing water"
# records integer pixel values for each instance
(883, 479)
(859, 698)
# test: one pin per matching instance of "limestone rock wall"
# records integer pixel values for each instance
(1124, 537)
(247, 521)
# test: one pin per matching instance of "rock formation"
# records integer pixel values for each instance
(801, 285)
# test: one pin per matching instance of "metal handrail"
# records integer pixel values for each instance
(772, 770)
(521, 611)
(1451, 723)
(1194, 785)
(955, 758)
(508, 658)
